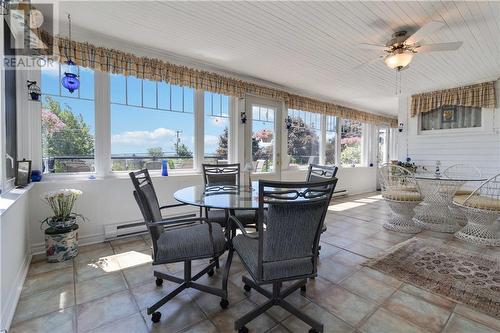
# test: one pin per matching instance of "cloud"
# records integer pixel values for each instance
(211, 139)
(138, 138)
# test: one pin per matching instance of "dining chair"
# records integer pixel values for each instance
(225, 175)
(482, 208)
(317, 172)
(401, 192)
(286, 250)
(179, 240)
(461, 171)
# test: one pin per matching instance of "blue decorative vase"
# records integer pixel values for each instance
(164, 168)
(36, 175)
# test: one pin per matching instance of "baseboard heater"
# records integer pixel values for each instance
(339, 193)
(113, 231)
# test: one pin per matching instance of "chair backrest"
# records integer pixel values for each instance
(462, 170)
(318, 172)
(147, 201)
(396, 178)
(488, 190)
(295, 215)
(221, 174)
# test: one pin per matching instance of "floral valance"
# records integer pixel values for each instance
(119, 62)
(481, 95)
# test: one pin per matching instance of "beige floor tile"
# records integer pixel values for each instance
(336, 240)
(109, 309)
(91, 270)
(43, 266)
(205, 326)
(385, 322)
(327, 250)
(364, 285)
(278, 313)
(224, 321)
(99, 287)
(417, 311)
(93, 255)
(331, 323)
(133, 324)
(335, 271)
(428, 296)
(178, 314)
(44, 281)
(278, 329)
(348, 258)
(210, 303)
(44, 302)
(387, 279)
(94, 247)
(138, 275)
(62, 321)
(478, 316)
(148, 294)
(364, 250)
(459, 324)
(129, 244)
(346, 305)
(316, 287)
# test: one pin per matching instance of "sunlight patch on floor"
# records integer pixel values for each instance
(119, 261)
(345, 206)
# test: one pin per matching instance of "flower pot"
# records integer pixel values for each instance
(61, 243)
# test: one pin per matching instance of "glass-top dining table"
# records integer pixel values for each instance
(434, 212)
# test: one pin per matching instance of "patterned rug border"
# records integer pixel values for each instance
(465, 293)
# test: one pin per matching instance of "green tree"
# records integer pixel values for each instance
(303, 141)
(71, 139)
(183, 150)
(221, 151)
(155, 152)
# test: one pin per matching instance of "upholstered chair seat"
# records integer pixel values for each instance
(478, 201)
(402, 195)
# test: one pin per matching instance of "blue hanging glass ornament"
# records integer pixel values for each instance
(70, 80)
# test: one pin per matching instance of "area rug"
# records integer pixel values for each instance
(464, 276)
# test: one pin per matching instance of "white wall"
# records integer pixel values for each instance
(14, 253)
(480, 147)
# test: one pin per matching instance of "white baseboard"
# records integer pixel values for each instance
(10, 302)
(82, 240)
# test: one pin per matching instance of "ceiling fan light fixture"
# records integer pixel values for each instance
(398, 60)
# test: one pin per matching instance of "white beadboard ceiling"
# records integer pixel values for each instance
(309, 47)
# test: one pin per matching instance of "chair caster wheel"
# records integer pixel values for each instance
(303, 289)
(243, 329)
(247, 287)
(210, 272)
(159, 282)
(312, 330)
(224, 303)
(156, 317)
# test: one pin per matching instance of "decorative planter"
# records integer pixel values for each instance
(61, 243)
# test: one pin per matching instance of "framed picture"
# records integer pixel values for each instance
(23, 173)
(448, 114)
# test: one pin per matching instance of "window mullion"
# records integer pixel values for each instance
(199, 133)
(102, 124)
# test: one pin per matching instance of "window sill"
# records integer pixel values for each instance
(113, 175)
(9, 198)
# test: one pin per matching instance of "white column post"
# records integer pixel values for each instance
(102, 124)
(199, 136)
(322, 140)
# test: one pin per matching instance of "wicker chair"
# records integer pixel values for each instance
(461, 171)
(225, 175)
(286, 250)
(482, 208)
(179, 240)
(401, 192)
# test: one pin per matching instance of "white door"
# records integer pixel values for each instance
(263, 133)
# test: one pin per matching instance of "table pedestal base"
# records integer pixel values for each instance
(401, 219)
(481, 228)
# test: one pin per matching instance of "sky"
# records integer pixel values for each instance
(147, 121)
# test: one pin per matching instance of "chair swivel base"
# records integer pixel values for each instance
(276, 297)
(187, 282)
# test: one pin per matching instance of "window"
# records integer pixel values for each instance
(68, 123)
(351, 144)
(331, 139)
(150, 121)
(216, 128)
(449, 117)
(263, 138)
(303, 138)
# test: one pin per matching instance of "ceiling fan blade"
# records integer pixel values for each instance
(368, 46)
(426, 30)
(369, 62)
(439, 47)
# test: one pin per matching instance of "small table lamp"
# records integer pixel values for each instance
(249, 168)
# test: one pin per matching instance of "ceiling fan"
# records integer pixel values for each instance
(399, 51)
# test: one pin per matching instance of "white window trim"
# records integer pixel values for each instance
(487, 126)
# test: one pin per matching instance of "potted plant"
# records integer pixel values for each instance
(61, 236)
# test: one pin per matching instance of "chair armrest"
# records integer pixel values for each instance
(173, 221)
(172, 206)
(242, 228)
